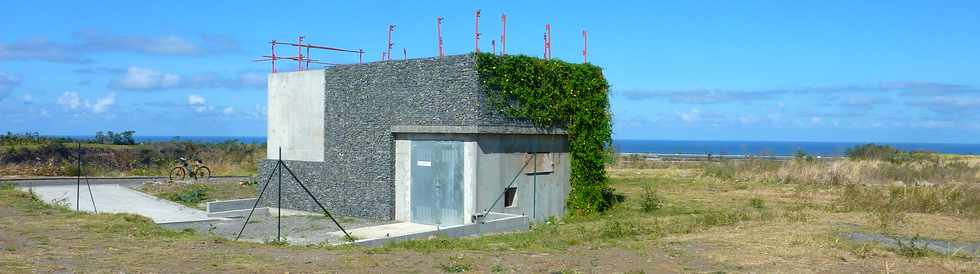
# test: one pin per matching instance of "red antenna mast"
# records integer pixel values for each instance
(547, 41)
(302, 62)
(476, 33)
(585, 48)
(503, 34)
(299, 50)
(391, 28)
(273, 57)
(439, 31)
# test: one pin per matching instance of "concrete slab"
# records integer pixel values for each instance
(387, 230)
(113, 198)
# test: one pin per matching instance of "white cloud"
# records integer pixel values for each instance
(169, 45)
(70, 99)
(196, 100)
(41, 49)
(7, 83)
(252, 79)
(137, 78)
(259, 113)
(89, 42)
(144, 79)
(690, 116)
(27, 98)
(229, 110)
(775, 117)
(102, 104)
(748, 119)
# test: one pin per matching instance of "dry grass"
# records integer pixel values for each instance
(706, 221)
(151, 159)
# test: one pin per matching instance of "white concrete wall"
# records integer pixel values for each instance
(403, 179)
(471, 152)
(296, 109)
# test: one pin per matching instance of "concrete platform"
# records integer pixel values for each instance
(494, 223)
(114, 198)
(388, 230)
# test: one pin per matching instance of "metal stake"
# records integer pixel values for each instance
(78, 179)
(318, 202)
(267, 181)
(279, 203)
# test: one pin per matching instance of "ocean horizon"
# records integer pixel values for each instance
(702, 147)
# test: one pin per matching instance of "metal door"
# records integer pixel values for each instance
(437, 182)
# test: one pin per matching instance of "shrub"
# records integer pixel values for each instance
(887, 153)
(871, 152)
(455, 265)
(757, 203)
(194, 194)
(650, 200)
(910, 249)
(556, 94)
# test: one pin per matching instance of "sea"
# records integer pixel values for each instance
(774, 148)
(675, 147)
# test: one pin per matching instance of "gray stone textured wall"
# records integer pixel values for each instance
(363, 103)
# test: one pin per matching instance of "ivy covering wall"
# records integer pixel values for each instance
(553, 93)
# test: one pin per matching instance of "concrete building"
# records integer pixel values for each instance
(414, 141)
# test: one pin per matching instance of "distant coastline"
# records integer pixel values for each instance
(676, 147)
(775, 148)
(196, 139)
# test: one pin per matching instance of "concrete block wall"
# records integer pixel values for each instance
(363, 103)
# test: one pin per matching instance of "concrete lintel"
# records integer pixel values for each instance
(476, 130)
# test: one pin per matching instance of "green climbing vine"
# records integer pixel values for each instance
(553, 93)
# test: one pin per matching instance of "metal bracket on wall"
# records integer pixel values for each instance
(480, 217)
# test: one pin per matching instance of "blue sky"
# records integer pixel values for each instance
(885, 71)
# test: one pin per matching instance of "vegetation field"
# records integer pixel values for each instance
(718, 216)
(27, 155)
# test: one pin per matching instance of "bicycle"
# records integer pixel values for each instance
(180, 172)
